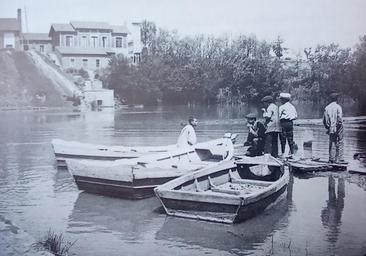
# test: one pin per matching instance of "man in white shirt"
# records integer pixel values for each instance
(270, 114)
(333, 122)
(288, 114)
(187, 136)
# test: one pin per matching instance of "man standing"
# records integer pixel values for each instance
(333, 122)
(256, 135)
(187, 136)
(270, 114)
(288, 114)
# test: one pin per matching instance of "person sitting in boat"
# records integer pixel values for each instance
(187, 136)
(256, 136)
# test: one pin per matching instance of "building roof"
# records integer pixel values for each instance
(120, 30)
(36, 36)
(83, 51)
(62, 28)
(90, 25)
(9, 24)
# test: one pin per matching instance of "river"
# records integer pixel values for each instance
(322, 214)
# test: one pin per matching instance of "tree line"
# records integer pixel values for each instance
(209, 70)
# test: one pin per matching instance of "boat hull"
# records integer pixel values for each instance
(61, 158)
(137, 189)
(217, 212)
(137, 178)
(65, 150)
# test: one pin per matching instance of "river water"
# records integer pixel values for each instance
(322, 214)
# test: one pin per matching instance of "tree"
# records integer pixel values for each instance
(148, 35)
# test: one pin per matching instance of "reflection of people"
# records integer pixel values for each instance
(270, 113)
(287, 113)
(256, 135)
(187, 136)
(333, 122)
(331, 214)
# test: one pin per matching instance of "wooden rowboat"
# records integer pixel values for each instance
(72, 149)
(230, 192)
(136, 178)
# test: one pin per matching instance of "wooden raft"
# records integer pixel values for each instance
(310, 165)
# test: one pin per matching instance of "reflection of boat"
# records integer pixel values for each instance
(136, 178)
(73, 149)
(106, 214)
(241, 237)
(230, 192)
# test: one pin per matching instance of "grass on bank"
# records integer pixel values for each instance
(55, 243)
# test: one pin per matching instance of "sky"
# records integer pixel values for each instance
(300, 23)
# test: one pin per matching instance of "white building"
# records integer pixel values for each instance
(96, 96)
(10, 30)
(89, 45)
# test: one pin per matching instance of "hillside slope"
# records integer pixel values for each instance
(22, 84)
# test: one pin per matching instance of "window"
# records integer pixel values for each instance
(68, 40)
(85, 63)
(72, 62)
(84, 42)
(124, 42)
(41, 48)
(136, 58)
(94, 41)
(97, 63)
(118, 42)
(104, 41)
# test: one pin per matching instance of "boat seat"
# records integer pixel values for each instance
(251, 182)
(237, 188)
(226, 191)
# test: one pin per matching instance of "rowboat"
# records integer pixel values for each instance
(136, 178)
(229, 193)
(72, 149)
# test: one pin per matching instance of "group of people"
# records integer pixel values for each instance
(279, 123)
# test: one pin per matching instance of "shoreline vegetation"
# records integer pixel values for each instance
(207, 70)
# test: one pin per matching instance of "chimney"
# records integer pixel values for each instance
(19, 18)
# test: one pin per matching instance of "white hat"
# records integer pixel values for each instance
(285, 95)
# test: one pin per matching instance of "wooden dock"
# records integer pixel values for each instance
(311, 165)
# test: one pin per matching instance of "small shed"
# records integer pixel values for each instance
(97, 96)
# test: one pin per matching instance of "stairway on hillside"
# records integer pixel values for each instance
(54, 73)
(23, 85)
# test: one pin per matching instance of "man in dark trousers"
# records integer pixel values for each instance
(333, 122)
(272, 124)
(288, 114)
(256, 136)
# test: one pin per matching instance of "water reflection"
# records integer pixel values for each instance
(131, 220)
(331, 214)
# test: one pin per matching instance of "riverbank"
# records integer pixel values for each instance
(15, 241)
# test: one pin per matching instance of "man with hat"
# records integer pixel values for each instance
(270, 114)
(256, 135)
(288, 114)
(333, 122)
